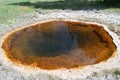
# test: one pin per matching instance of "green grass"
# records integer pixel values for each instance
(117, 10)
(9, 9)
(116, 72)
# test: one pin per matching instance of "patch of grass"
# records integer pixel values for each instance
(116, 72)
(9, 9)
(117, 10)
(60, 4)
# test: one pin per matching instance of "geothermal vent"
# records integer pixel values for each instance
(59, 44)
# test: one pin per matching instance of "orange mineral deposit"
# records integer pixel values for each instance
(59, 44)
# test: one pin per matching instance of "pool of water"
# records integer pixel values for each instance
(59, 44)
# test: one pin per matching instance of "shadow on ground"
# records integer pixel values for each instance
(65, 4)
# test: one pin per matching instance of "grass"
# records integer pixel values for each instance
(9, 9)
(116, 72)
(117, 10)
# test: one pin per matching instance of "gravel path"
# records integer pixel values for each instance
(10, 72)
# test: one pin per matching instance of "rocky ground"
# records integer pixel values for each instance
(10, 72)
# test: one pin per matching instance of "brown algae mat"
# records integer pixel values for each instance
(59, 44)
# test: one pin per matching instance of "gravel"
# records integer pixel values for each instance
(12, 71)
